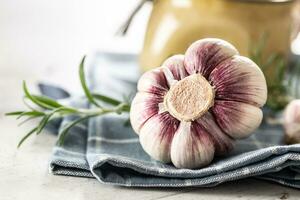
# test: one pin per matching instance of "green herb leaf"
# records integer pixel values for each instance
(34, 100)
(30, 113)
(270, 61)
(65, 130)
(281, 70)
(28, 119)
(256, 51)
(14, 113)
(24, 113)
(48, 101)
(46, 119)
(26, 136)
(42, 124)
(106, 99)
(84, 85)
(278, 87)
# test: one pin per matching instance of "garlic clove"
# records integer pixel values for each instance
(291, 122)
(174, 69)
(239, 79)
(191, 147)
(222, 142)
(237, 119)
(143, 106)
(156, 136)
(204, 55)
(153, 81)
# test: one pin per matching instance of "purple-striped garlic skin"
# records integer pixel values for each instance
(291, 122)
(204, 55)
(222, 142)
(194, 106)
(192, 147)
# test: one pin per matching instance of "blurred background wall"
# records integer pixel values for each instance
(38, 36)
(45, 40)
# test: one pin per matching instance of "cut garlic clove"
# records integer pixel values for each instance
(156, 136)
(191, 147)
(174, 69)
(153, 81)
(204, 55)
(239, 79)
(222, 142)
(237, 119)
(143, 106)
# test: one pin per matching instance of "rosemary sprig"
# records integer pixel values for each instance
(46, 109)
(275, 69)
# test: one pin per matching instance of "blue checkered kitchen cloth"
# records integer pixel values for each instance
(107, 150)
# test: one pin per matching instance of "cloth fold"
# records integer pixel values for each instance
(105, 149)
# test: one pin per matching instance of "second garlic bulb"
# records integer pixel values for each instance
(292, 122)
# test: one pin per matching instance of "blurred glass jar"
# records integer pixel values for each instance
(175, 24)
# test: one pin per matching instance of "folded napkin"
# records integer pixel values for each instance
(105, 149)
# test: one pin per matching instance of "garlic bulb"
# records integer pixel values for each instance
(291, 122)
(195, 105)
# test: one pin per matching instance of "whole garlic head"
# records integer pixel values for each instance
(292, 122)
(195, 105)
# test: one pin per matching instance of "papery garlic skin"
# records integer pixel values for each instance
(156, 136)
(204, 55)
(194, 106)
(191, 147)
(292, 122)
